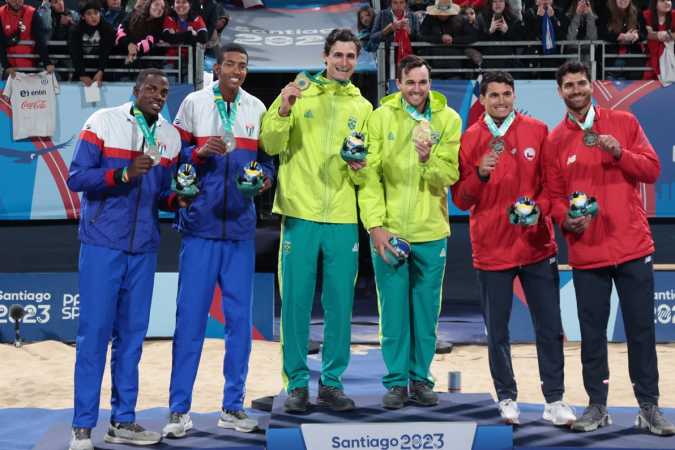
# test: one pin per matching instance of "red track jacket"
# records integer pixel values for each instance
(620, 232)
(498, 244)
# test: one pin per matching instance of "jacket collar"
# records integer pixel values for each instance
(572, 125)
(124, 112)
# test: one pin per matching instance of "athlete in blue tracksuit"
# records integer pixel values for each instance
(119, 230)
(218, 238)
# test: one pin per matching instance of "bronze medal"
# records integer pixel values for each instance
(497, 145)
(590, 138)
(303, 81)
(422, 132)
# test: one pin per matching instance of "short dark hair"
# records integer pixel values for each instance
(410, 62)
(146, 73)
(572, 67)
(498, 76)
(231, 47)
(86, 5)
(342, 35)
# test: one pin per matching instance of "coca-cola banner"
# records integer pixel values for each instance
(36, 168)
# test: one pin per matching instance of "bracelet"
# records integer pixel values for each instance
(125, 176)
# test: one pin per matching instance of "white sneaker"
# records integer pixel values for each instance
(509, 411)
(178, 424)
(560, 413)
(80, 439)
(238, 420)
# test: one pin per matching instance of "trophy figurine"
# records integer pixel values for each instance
(582, 205)
(353, 148)
(523, 212)
(185, 182)
(403, 249)
(251, 180)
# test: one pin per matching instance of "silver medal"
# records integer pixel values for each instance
(154, 153)
(230, 142)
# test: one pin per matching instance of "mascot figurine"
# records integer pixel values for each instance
(582, 205)
(403, 249)
(251, 180)
(185, 182)
(524, 212)
(353, 148)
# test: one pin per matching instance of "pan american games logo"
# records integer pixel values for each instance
(664, 313)
(403, 442)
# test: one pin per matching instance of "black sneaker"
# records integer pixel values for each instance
(421, 392)
(395, 397)
(297, 401)
(651, 418)
(334, 398)
(80, 439)
(594, 417)
(130, 433)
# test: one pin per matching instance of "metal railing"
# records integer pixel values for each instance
(193, 63)
(585, 50)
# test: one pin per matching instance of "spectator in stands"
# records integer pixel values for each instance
(582, 21)
(113, 13)
(208, 11)
(623, 26)
(84, 36)
(142, 31)
(395, 24)
(58, 21)
(366, 16)
(22, 23)
(660, 20)
(533, 23)
(448, 29)
(469, 12)
(213, 45)
(419, 7)
(182, 26)
(498, 22)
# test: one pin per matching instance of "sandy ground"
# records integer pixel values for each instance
(40, 375)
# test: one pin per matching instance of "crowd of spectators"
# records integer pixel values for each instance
(131, 29)
(624, 25)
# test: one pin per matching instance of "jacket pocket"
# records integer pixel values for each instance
(100, 208)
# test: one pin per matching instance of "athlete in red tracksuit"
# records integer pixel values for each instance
(501, 251)
(615, 246)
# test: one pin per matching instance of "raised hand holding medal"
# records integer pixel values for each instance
(421, 134)
(590, 136)
(149, 135)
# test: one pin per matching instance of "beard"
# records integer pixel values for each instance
(575, 106)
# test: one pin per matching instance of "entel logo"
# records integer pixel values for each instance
(25, 93)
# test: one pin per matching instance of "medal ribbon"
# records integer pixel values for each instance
(150, 136)
(501, 130)
(588, 123)
(415, 114)
(315, 79)
(227, 120)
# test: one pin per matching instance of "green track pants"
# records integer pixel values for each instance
(410, 302)
(301, 244)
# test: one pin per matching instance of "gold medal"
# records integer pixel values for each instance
(422, 132)
(303, 81)
(497, 145)
(590, 138)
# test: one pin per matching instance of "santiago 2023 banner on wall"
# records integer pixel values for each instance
(35, 172)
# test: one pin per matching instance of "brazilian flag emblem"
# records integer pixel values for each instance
(435, 136)
(352, 123)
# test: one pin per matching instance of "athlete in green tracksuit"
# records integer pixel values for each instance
(317, 199)
(405, 195)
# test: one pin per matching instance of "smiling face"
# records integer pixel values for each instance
(622, 4)
(157, 9)
(232, 72)
(182, 7)
(341, 61)
(415, 86)
(498, 101)
(664, 6)
(151, 95)
(576, 91)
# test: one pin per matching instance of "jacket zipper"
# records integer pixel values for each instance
(227, 171)
(138, 201)
(100, 208)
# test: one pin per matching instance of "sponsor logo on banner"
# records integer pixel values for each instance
(390, 436)
(664, 307)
